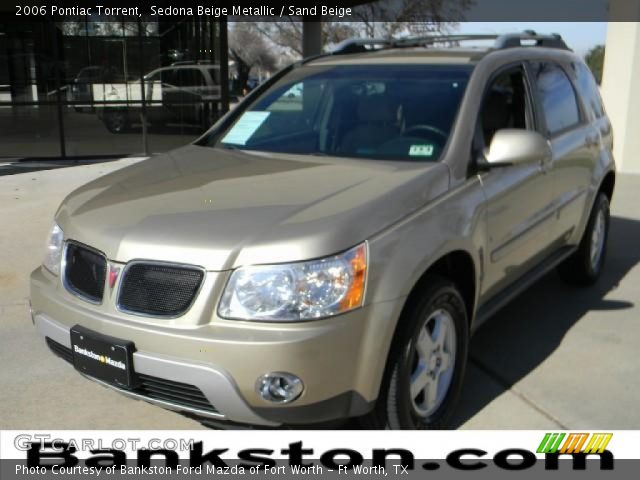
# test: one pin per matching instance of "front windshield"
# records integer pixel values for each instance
(392, 112)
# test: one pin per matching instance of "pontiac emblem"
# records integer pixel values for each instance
(113, 275)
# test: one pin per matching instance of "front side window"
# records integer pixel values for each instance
(392, 112)
(163, 76)
(505, 105)
(557, 97)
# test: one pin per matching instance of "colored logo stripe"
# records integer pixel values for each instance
(550, 443)
(574, 443)
(598, 442)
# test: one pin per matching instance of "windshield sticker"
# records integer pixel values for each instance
(245, 127)
(421, 150)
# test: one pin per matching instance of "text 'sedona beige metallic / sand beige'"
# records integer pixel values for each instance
(326, 249)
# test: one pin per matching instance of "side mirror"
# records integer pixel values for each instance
(515, 147)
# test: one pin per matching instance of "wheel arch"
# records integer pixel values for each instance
(607, 184)
(457, 266)
(460, 268)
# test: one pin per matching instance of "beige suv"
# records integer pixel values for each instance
(325, 251)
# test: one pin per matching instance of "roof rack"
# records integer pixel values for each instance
(357, 45)
(431, 39)
(508, 40)
(191, 62)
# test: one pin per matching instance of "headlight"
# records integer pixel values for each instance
(53, 255)
(297, 291)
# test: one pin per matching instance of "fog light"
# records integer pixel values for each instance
(279, 387)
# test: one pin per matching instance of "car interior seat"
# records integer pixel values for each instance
(377, 122)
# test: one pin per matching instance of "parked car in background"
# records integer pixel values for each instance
(81, 90)
(185, 93)
(327, 249)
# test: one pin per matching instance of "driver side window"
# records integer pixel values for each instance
(505, 105)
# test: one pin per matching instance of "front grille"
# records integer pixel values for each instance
(158, 289)
(176, 393)
(85, 272)
(173, 392)
(60, 350)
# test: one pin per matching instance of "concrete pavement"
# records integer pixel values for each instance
(38, 389)
(557, 357)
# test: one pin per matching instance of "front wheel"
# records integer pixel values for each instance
(427, 362)
(585, 265)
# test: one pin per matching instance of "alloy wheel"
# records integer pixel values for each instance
(598, 236)
(433, 363)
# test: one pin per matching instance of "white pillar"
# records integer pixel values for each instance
(621, 83)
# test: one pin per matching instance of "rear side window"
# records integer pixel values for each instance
(557, 97)
(588, 89)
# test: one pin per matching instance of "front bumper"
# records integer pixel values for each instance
(340, 360)
(214, 384)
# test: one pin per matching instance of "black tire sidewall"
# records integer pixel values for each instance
(441, 294)
(109, 121)
(601, 203)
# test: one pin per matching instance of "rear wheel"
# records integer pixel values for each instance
(585, 265)
(427, 362)
(116, 121)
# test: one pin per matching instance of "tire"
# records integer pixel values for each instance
(396, 407)
(586, 264)
(116, 121)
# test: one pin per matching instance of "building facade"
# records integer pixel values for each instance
(100, 86)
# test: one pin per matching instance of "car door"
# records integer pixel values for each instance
(518, 196)
(574, 141)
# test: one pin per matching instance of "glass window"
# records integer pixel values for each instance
(588, 89)
(102, 86)
(163, 76)
(557, 96)
(505, 105)
(189, 77)
(401, 112)
(80, 76)
(29, 121)
(214, 73)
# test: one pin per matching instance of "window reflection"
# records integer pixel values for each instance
(104, 81)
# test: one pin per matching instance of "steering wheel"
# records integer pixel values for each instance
(421, 130)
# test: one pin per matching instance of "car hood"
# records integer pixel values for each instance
(220, 208)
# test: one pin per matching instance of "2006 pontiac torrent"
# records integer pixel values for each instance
(325, 251)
